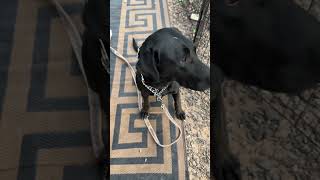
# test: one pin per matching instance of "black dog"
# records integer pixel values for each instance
(167, 58)
(271, 44)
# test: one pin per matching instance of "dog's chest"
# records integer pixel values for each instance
(173, 88)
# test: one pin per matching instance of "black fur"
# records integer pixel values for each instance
(271, 44)
(168, 58)
(96, 21)
(96, 27)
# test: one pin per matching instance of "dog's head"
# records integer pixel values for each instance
(167, 55)
(236, 6)
(256, 12)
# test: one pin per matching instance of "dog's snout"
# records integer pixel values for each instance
(202, 75)
(201, 78)
(205, 84)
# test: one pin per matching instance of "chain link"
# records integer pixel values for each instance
(155, 91)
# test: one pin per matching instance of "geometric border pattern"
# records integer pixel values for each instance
(7, 35)
(33, 143)
(44, 118)
(138, 19)
(36, 99)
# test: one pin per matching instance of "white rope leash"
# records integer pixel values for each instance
(76, 43)
(163, 107)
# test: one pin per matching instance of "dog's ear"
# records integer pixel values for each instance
(147, 64)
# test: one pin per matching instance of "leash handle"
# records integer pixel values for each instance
(155, 137)
(154, 134)
(76, 43)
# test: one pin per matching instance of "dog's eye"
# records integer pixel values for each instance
(187, 59)
(187, 53)
(183, 60)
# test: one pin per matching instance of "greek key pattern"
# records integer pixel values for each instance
(134, 154)
(44, 118)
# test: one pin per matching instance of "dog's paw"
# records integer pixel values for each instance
(181, 115)
(144, 114)
(229, 170)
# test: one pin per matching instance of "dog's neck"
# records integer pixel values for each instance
(158, 85)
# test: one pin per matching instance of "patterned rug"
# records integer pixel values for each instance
(44, 118)
(134, 154)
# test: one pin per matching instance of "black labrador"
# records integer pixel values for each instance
(168, 58)
(271, 44)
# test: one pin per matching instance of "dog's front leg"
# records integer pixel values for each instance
(180, 114)
(145, 106)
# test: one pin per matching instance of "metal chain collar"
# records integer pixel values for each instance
(156, 92)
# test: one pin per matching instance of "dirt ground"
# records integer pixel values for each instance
(275, 136)
(195, 104)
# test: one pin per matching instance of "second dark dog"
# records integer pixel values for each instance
(271, 44)
(167, 58)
